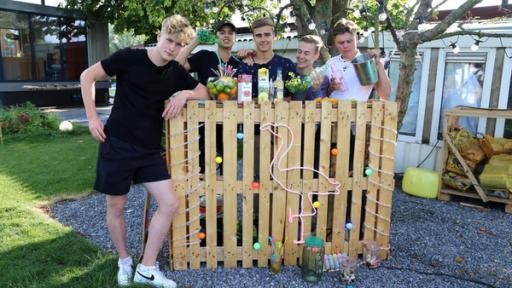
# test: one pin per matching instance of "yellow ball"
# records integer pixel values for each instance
(218, 159)
(316, 204)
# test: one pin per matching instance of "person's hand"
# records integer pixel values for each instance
(335, 84)
(249, 60)
(97, 129)
(247, 56)
(175, 104)
(244, 53)
(373, 53)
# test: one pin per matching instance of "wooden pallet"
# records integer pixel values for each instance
(450, 121)
(370, 221)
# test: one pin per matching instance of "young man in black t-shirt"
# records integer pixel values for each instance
(205, 62)
(130, 141)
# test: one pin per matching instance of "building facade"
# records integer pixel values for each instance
(43, 50)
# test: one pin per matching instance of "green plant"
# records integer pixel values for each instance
(26, 119)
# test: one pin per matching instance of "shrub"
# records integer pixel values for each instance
(26, 119)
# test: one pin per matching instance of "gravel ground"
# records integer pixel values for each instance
(433, 244)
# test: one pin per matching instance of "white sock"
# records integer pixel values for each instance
(146, 267)
(126, 261)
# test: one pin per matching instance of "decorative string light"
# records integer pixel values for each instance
(215, 9)
(476, 45)
(356, 14)
(207, 8)
(311, 24)
(287, 28)
(382, 11)
(455, 48)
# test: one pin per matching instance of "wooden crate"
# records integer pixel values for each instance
(450, 122)
(364, 201)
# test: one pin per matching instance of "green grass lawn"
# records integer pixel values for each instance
(36, 251)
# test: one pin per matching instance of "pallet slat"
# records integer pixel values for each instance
(210, 134)
(248, 195)
(229, 164)
(291, 252)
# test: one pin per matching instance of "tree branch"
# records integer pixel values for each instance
(448, 21)
(393, 33)
(280, 12)
(473, 33)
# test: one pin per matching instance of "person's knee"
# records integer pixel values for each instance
(115, 209)
(169, 205)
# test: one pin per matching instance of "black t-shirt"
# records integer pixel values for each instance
(204, 62)
(141, 88)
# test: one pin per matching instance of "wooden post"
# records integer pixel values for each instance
(195, 187)
(179, 239)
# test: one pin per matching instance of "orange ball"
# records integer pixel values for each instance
(201, 235)
(334, 151)
(255, 185)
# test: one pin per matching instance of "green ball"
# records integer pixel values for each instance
(227, 89)
(368, 171)
(210, 85)
(256, 246)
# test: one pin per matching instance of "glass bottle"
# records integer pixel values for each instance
(279, 86)
(348, 270)
(371, 253)
(312, 259)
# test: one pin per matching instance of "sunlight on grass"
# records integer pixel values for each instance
(51, 166)
(36, 251)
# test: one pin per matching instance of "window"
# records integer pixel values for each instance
(47, 48)
(463, 82)
(411, 116)
(15, 63)
(52, 49)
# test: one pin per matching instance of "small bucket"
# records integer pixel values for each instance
(366, 70)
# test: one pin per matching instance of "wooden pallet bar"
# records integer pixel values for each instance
(247, 210)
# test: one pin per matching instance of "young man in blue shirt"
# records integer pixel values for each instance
(263, 56)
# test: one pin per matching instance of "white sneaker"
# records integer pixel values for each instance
(152, 276)
(124, 274)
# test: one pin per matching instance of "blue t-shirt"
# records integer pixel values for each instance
(277, 61)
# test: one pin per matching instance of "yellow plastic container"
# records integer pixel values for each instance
(421, 182)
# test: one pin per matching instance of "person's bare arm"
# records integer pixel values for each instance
(383, 85)
(88, 79)
(177, 101)
(185, 52)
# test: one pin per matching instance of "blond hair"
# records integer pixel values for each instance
(344, 26)
(262, 22)
(179, 28)
(313, 39)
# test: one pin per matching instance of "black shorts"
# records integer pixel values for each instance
(120, 164)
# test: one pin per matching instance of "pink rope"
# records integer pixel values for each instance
(269, 127)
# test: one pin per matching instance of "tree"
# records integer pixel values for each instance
(310, 17)
(145, 17)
